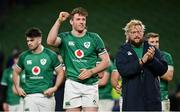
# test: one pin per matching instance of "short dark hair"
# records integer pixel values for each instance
(78, 10)
(152, 35)
(16, 55)
(33, 32)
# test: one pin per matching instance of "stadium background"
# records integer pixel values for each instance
(106, 17)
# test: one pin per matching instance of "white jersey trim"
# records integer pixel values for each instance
(170, 67)
(115, 70)
(59, 38)
(18, 67)
(3, 83)
(60, 65)
(105, 51)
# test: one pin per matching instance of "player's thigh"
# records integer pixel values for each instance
(72, 94)
(106, 105)
(47, 103)
(30, 104)
(90, 97)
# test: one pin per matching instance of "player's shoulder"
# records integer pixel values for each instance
(8, 70)
(92, 34)
(25, 53)
(166, 53)
(49, 52)
(64, 34)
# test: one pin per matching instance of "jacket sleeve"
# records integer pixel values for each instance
(127, 67)
(158, 65)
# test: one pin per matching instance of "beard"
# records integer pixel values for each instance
(137, 44)
(33, 48)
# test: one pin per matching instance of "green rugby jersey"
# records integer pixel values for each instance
(163, 83)
(105, 91)
(80, 53)
(38, 69)
(7, 80)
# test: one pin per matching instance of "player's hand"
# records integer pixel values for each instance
(20, 91)
(5, 107)
(101, 75)
(63, 16)
(85, 73)
(49, 92)
(14, 90)
(118, 88)
(151, 52)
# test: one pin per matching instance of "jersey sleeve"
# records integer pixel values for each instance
(4, 78)
(60, 35)
(110, 67)
(168, 59)
(20, 62)
(114, 66)
(100, 48)
(55, 61)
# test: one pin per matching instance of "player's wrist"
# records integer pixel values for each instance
(59, 20)
(55, 88)
(91, 71)
(142, 62)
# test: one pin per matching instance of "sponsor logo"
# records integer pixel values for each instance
(43, 61)
(79, 53)
(94, 101)
(71, 43)
(87, 44)
(67, 103)
(79, 60)
(37, 77)
(36, 70)
(129, 53)
(29, 62)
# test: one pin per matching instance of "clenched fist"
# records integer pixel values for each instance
(63, 16)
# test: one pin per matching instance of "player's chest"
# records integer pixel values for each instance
(81, 46)
(35, 63)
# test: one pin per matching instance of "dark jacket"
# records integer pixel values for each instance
(140, 84)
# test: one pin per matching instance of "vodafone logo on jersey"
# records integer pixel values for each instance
(79, 53)
(36, 70)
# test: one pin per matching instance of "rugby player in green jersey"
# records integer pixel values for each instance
(105, 88)
(39, 63)
(153, 39)
(11, 101)
(80, 51)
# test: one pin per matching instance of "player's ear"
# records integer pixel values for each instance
(40, 40)
(70, 21)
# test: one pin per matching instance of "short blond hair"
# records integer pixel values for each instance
(133, 22)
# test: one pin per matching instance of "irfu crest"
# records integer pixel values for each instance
(43, 61)
(87, 44)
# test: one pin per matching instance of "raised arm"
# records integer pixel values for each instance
(53, 34)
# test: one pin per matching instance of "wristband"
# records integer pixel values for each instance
(142, 61)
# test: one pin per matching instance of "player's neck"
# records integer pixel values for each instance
(78, 34)
(38, 50)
